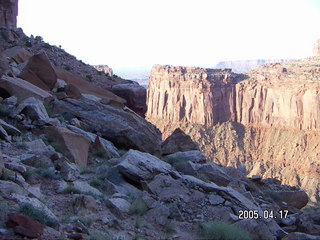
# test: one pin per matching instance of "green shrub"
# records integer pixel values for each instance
(97, 183)
(71, 190)
(138, 207)
(49, 109)
(85, 221)
(50, 141)
(48, 173)
(86, 170)
(219, 230)
(38, 215)
(4, 110)
(101, 153)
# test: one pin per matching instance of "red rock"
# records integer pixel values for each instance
(18, 54)
(104, 68)
(85, 87)
(40, 72)
(24, 225)
(23, 89)
(75, 146)
(134, 94)
(297, 199)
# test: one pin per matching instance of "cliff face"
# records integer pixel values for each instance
(104, 68)
(8, 13)
(265, 122)
(195, 95)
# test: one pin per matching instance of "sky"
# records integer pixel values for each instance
(128, 34)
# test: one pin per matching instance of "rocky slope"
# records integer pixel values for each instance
(243, 66)
(265, 121)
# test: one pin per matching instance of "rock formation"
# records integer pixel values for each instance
(316, 49)
(8, 13)
(265, 121)
(104, 68)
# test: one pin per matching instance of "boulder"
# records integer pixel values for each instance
(23, 89)
(107, 147)
(211, 172)
(11, 130)
(84, 87)
(90, 136)
(68, 171)
(40, 72)
(17, 54)
(84, 187)
(178, 141)
(13, 100)
(33, 108)
(194, 156)
(297, 199)
(73, 145)
(134, 94)
(24, 226)
(139, 166)
(37, 146)
(122, 128)
(118, 206)
(258, 230)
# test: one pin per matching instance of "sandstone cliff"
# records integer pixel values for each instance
(265, 122)
(104, 68)
(8, 13)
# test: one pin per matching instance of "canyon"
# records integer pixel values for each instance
(265, 122)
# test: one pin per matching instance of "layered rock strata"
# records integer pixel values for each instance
(266, 122)
(8, 13)
(316, 49)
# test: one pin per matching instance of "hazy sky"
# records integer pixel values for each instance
(130, 33)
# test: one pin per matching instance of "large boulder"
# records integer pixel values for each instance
(40, 72)
(24, 226)
(178, 141)
(134, 94)
(85, 87)
(106, 147)
(73, 145)
(22, 89)
(139, 166)
(122, 127)
(33, 108)
(17, 54)
(297, 199)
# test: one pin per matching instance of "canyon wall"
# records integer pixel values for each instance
(265, 122)
(8, 13)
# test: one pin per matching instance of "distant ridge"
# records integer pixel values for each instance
(242, 66)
